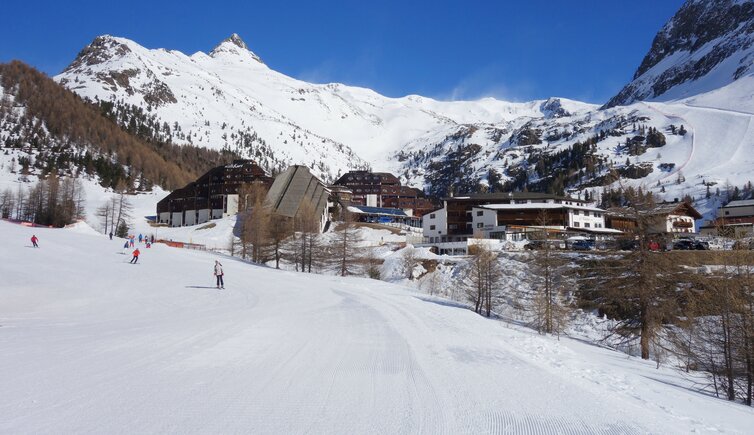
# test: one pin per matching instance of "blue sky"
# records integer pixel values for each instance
(516, 50)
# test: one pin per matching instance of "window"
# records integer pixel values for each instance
(431, 227)
(480, 213)
(480, 225)
(432, 216)
(576, 224)
(586, 225)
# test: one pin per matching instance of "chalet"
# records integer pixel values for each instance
(212, 196)
(665, 218)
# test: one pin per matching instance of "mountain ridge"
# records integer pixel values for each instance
(707, 44)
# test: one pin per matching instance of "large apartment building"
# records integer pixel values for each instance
(384, 190)
(211, 196)
(498, 215)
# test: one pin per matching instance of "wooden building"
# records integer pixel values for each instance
(211, 196)
(663, 218)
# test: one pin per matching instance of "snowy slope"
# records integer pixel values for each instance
(231, 91)
(154, 348)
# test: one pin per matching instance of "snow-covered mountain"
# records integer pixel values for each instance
(230, 99)
(698, 75)
(708, 44)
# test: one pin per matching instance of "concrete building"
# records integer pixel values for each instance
(736, 219)
(382, 189)
(509, 216)
(489, 214)
(211, 196)
(292, 188)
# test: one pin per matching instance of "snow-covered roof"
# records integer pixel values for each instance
(740, 203)
(597, 230)
(382, 211)
(535, 206)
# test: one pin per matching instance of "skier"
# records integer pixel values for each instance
(111, 235)
(131, 241)
(125, 246)
(136, 256)
(140, 237)
(219, 274)
(34, 240)
(152, 239)
(149, 245)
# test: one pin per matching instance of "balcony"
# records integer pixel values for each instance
(683, 224)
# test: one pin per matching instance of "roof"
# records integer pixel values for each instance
(510, 195)
(596, 230)
(290, 189)
(536, 206)
(740, 203)
(667, 208)
(662, 209)
(383, 211)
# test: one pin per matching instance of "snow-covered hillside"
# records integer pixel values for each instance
(155, 348)
(230, 98)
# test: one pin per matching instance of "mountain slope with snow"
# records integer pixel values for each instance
(155, 348)
(706, 45)
(230, 99)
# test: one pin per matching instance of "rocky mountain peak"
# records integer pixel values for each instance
(235, 45)
(553, 108)
(100, 50)
(704, 35)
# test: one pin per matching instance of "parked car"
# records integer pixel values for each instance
(690, 245)
(540, 244)
(625, 244)
(583, 245)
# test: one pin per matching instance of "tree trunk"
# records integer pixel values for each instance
(645, 331)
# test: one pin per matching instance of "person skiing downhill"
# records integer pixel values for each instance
(136, 256)
(219, 274)
(34, 240)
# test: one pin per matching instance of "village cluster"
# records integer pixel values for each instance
(451, 225)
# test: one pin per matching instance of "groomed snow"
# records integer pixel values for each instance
(92, 344)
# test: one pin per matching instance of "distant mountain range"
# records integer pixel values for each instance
(697, 74)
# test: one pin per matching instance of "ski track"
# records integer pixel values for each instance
(287, 352)
(692, 131)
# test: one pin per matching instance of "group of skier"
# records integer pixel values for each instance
(130, 242)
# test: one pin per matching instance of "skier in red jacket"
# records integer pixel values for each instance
(34, 241)
(136, 256)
